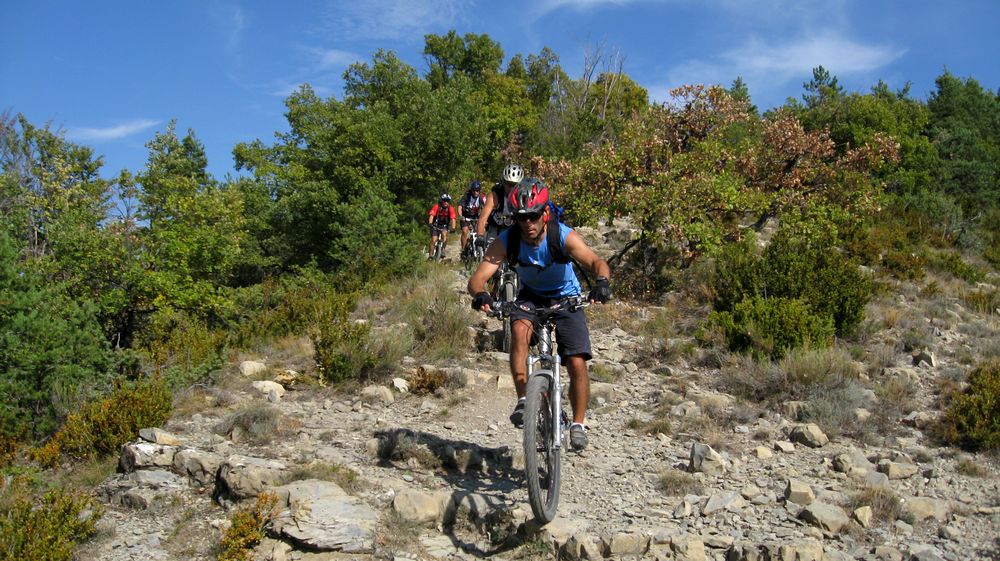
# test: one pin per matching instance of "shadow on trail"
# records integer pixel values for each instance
(482, 479)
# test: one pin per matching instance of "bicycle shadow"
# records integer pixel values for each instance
(482, 478)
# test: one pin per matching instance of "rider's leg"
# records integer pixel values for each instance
(521, 335)
(465, 235)
(579, 386)
(573, 339)
(430, 247)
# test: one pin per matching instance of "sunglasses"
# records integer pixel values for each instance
(530, 217)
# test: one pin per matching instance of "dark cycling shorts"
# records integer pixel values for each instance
(572, 335)
(438, 228)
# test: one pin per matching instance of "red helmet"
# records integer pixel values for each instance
(530, 196)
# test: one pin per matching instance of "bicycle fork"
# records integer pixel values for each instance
(555, 384)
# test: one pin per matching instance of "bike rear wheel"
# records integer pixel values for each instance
(541, 457)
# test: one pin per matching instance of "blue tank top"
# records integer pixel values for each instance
(540, 273)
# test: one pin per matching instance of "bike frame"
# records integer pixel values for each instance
(473, 236)
(546, 357)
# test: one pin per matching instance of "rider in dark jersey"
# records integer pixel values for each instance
(496, 215)
(469, 209)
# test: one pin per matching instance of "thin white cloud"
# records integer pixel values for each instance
(392, 19)
(322, 70)
(238, 23)
(231, 21)
(115, 132)
(767, 65)
(546, 7)
(327, 59)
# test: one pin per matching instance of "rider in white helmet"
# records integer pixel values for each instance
(496, 215)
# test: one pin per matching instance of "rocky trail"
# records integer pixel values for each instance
(438, 475)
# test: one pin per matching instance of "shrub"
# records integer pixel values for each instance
(972, 420)
(826, 379)
(247, 528)
(279, 307)
(258, 422)
(739, 273)
(426, 380)
(48, 530)
(886, 506)
(182, 346)
(434, 312)
(800, 263)
(771, 326)
(101, 427)
(345, 477)
(675, 483)
(972, 469)
(342, 346)
(812, 268)
(983, 301)
(896, 395)
(951, 262)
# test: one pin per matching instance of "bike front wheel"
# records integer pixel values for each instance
(541, 456)
(508, 296)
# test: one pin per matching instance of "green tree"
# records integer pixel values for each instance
(965, 129)
(341, 164)
(387, 80)
(52, 350)
(739, 91)
(53, 200)
(822, 88)
(515, 68)
(194, 227)
(475, 56)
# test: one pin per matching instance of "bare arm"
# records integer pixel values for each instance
(581, 252)
(484, 215)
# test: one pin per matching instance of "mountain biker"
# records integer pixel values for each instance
(441, 220)
(496, 214)
(469, 207)
(544, 281)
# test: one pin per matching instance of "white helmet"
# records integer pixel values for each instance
(513, 173)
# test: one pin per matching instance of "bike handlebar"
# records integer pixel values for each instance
(571, 304)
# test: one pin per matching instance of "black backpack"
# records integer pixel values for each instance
(556, 249)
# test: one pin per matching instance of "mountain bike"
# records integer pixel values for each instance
(439, 244)
(472, 254)
(545, 423)
(505, 290)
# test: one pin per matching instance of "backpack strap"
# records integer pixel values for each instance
(556, 249)
(552, 239)
(513, 245)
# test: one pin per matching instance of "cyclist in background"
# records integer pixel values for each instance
(545, 279)
(496, 215)
(469, 207)
(441, 220)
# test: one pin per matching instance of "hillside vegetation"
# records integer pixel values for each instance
(785, 228)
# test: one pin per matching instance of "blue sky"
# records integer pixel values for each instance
(113, 73)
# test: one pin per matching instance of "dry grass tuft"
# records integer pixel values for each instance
(675, 483)
(257, 422)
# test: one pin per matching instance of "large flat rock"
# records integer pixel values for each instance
(321, 516)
